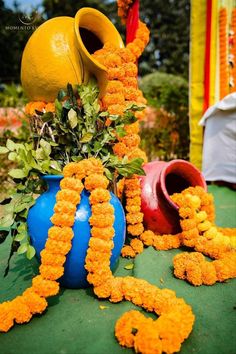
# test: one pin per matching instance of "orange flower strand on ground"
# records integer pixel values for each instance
(138, 291)
(199, 233)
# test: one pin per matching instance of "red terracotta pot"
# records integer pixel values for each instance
(161, 181)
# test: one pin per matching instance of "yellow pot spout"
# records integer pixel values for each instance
(93, 30)
(60, 51)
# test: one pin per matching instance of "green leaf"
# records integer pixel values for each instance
(17, 173)
(58, 107)
(102, 307)
(40, 154)
(23, 248)
(3, 150)
(30, 252)
(10, 145)
(12, 156)
(61, 95)
(47, 117)
(20, 237)
(20, 207)
(6, 221)
(129, 266)
(55, 165)
(46, 146)
(86, 138)
(72, 117)
(108, 174)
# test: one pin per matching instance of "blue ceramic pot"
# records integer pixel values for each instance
(39, 222)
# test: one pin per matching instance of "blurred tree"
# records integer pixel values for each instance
(168, 50)
(15, 30)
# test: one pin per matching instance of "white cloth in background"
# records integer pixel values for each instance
(219, 143)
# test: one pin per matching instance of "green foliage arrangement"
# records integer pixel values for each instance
(76, 130)
(165, 135)
(12, 96)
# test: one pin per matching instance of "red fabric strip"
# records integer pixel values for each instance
(132, 21)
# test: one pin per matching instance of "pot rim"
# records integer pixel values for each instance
(51, 177)
(190, 167)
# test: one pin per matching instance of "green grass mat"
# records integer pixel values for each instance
(74, 323)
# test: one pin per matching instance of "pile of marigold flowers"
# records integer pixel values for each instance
(162, 335)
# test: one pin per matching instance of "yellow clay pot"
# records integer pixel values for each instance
(59, 51)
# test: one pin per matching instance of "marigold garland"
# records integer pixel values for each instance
(33, 300)
(232, 46)
(173, 312)
(224, 77)
(203, 236)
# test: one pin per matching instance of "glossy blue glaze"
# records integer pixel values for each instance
(39, 223)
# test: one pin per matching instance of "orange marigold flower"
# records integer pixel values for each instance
(60, 219)
(131, 93)
(113, 98)
(126, 55)
(124, 329)
(134, 218)
(132, 128)
(6, 317)
(102, 220)
(68, 195)
(115, 86)
(102, 208)
(103, 246)
(139, 43)
(113, 60)
(103, 291)
(51, 272)
(135, 50)
(45, 288)
(35, 106)
(133, 193)
(147, 237)
(130, 82)
(64, 234)
(70, 169)
(204, 226)
(131, 140)
(99, 195)
(95, 181)
(36, 303)
(95, 166)
(66, 207)
(116, 109)
(188, 224)
(116, 73)
(116, 290)
(133, 208)
(129, 69)
(137, 153)
(50, 107)
(120, 149)
(48, 258)
(20, 310)
(133, 201)
(135, 230)
(98, 278)
(104, 233)
(57, 247)
(71, 183)
(137, 245)
(127, 251)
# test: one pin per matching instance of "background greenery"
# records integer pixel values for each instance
(168, 21)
